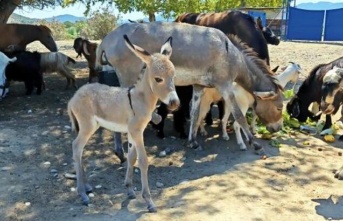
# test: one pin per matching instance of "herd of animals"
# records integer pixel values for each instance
(216, 58)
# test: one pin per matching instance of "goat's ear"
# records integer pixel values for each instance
(166, 48)
(85, 48)
(138, 51)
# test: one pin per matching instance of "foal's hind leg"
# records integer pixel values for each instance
(230, 99)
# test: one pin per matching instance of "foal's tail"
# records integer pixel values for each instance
(73, 120)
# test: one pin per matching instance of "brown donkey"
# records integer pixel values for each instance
(124, 110)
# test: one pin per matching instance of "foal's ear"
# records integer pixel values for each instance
(138, 51)
(166, 48)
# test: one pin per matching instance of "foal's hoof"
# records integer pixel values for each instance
(152, 209)
(340, 138)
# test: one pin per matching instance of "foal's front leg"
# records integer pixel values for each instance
(131, 158)
(137, 137)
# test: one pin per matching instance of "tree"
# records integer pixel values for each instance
(7, 7)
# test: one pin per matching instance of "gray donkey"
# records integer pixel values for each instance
(203, 57)
(124, 110)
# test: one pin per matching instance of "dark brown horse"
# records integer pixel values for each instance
(232, 22)
(21, 35)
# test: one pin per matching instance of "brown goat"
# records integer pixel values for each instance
(124, 110)
(88, 49)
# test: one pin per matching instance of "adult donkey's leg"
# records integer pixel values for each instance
(118, 147)
(110, 78)
(198, 91)
(229, 98)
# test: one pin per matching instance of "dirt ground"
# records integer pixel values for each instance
(219, 183)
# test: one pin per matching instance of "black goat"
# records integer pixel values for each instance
(27, 69)
(311, 91)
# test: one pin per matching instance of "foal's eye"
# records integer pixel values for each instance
(158, 80)
(279, 108)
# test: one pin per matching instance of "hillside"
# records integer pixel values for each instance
(15, 18)
(66, 17)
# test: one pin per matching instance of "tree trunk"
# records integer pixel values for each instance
(152, 16)
(7, 7)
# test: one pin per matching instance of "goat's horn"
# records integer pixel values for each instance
(84, 46)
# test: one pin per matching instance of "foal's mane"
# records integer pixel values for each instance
(253, 56)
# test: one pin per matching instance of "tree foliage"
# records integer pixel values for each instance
(100, 23)
(168, 8)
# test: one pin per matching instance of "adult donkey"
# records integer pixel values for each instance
(230, 22)
(203, 57)
(21, 35)
(235, 23)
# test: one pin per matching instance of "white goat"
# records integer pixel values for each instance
(4, 61)
(244, 100)
(124, 110)
(58, 62)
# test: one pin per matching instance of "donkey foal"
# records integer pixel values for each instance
(124, 110)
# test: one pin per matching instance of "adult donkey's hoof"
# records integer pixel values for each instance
(258, 149)
(84, 199)
(131, 194)
(194, 145)
(152, 209)
(121, 156)
(339, 173)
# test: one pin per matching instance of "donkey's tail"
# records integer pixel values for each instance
(74, 123)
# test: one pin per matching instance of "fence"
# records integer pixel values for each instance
(314, 25)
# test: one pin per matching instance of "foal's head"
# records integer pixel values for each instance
(160, 72)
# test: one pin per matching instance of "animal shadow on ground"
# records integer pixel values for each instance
(330, 209)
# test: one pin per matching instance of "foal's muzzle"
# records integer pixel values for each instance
(174, 104)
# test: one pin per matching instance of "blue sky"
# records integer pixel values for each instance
(78, 9)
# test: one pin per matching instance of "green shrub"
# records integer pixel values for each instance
(100, 23)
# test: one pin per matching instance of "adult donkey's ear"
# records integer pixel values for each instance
(138, 51)
(166, 48)
(259, 23)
